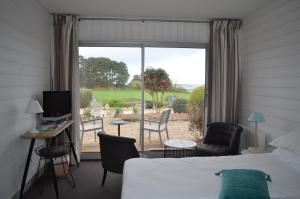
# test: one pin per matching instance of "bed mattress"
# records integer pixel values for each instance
(193, 178)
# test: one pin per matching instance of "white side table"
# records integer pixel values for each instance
(247, 151)
(178, 148)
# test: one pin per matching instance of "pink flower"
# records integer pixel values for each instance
(163, 82)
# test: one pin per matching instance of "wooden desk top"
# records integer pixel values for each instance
(47, 134)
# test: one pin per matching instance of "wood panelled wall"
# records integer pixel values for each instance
(24, 73)
(271, 67)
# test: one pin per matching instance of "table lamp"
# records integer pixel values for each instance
(255, 117)
(33, 108)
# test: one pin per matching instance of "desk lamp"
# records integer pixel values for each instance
(34, 108)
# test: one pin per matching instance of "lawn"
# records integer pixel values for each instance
(129, 94)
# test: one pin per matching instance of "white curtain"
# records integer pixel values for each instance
(224, 71)
(64, 66)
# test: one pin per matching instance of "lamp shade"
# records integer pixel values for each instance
(34, 107)
(256, 117)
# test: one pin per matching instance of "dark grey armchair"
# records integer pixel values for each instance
(221, 139)
(115, 151)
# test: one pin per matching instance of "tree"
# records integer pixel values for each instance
(136, 82)
(157, 82)
(100, 71)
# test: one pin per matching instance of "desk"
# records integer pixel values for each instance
(119, 123)
(48, 136)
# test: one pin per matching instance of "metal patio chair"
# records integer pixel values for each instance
(158, 125)
(90, 124)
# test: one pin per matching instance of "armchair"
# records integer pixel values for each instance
(115, 151)
(221, 139)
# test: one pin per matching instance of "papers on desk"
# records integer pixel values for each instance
(34, 130)
(47, 127)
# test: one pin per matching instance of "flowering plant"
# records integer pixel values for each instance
(157, 83)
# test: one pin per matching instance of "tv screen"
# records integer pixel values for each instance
(56, 103)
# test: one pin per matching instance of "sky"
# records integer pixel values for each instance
(184, 65)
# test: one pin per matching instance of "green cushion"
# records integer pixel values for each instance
(244, 184)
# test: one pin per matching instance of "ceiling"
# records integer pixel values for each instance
(171, 9)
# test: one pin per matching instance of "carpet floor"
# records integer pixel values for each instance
(88, 184)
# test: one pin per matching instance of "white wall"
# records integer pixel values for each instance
(271, 66)
(24, 73)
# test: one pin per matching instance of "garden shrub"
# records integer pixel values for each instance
(117, 111)
(85, 97)
(87, 112)
(116, 103)
(134, 109)
(197, 95)
(195, 113)
(180, 105)
(149, 104)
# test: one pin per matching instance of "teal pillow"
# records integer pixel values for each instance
(244, 184)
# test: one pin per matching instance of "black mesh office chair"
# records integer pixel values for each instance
(115, 151)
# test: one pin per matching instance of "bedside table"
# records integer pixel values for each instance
(247, 151)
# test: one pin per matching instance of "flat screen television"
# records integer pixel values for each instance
(56, 105)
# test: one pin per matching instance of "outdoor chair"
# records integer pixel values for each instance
(91, 123)
(158, 124)
(221, 139)
(115, 150)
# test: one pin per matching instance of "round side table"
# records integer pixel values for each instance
(179, 148)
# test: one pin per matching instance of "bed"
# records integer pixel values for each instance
(193, 178)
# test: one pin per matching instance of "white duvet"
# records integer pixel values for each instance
(193, 178)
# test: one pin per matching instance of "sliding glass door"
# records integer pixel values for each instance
(110, 88)
(178, 84)
(116, 85)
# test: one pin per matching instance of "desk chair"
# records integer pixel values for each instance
(60, 151)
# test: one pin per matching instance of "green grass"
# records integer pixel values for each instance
(129, 94)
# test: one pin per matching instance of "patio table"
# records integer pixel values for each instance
(119, 123)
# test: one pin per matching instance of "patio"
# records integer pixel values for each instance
(178, 127)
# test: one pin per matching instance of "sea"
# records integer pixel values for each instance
(189, 87)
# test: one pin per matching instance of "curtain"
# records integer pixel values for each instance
(224, 71)
(64, 65)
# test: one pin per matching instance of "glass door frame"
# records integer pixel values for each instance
(142, 46)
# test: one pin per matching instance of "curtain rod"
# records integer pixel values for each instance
(143, 19)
